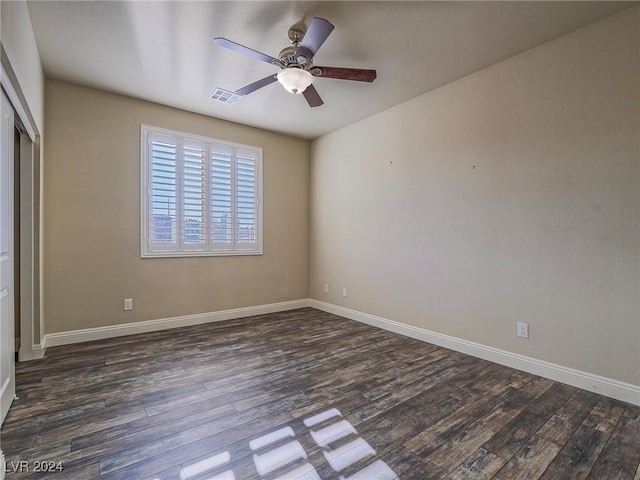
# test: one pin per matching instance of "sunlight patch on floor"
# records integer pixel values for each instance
(279, 455)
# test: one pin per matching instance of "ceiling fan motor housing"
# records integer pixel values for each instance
(295, 57)
(287, 56)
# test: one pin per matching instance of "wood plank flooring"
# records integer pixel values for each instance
(304, 395)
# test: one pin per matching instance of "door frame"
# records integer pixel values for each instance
(31, 220)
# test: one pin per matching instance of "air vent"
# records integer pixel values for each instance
(225, 96)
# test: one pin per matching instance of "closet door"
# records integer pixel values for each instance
(7, 354)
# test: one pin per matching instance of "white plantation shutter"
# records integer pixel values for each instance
(222, 196)
(200, 196)
(246, 196)
(194, 216)
(162, 219)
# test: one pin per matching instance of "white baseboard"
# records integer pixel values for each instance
(99, 333)
(587, 381)
(39, 350)
(26, 354)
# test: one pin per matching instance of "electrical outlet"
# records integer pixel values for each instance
(344, 292)
(128, 303)
(326, 288)
(522, 330)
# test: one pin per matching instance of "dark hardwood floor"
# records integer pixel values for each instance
(304, 395)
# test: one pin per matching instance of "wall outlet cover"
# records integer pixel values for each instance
(522, 329)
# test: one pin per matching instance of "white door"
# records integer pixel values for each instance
(7, 354)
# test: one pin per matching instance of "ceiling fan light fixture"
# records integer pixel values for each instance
(295, 80)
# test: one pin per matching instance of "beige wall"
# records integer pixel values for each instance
(92, 223)
(510, 195)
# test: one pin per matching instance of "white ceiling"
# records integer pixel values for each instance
(164, 52)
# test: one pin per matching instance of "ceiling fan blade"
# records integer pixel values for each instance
(312, 96)
(316, 34)
(357, 74)
(252, 87)
(236, 47)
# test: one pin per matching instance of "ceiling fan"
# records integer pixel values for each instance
(296, 63)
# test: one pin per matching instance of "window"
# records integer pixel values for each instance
(200, 196)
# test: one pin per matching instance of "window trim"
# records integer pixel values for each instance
(145, 248)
